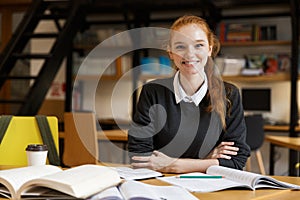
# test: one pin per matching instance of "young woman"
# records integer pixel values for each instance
(193, 120)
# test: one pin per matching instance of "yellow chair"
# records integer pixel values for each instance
(80, 139)
(21, 131)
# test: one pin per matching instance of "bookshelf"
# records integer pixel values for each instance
(244, 39)
(256, 43)
(84, 49)
(287, 41)
(114, 76)
(258, 79)
(93, 70)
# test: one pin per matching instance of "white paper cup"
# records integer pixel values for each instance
(36, 154)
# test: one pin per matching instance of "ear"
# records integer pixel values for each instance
(210, 50)
(169, 52)
(170, 55)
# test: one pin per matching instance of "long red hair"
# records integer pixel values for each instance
(215, 82)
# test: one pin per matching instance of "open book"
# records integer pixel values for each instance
(48, 181)
(133, 190)
(128, 173)
(230, 178)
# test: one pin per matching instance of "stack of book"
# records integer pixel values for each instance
(238, 32)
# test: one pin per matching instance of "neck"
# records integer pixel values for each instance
(191, 84)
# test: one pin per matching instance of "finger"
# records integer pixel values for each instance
(226, 143)
(229, 148)
(225, 156)
(227, 152)
(140, 165)
(221, 156)
(141, 158)
(232, 148)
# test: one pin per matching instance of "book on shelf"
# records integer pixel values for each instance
(230, 178)
(252, 72)
(50, 181)
(230, 66)
(240, 32)
(133, 190)
(267, 63)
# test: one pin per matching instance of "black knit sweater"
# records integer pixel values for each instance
(185, 130)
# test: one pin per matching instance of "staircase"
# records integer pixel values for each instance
(68, 17)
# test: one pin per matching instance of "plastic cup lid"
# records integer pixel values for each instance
(36, 147)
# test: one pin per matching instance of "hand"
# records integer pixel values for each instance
(157, 161)
(224, 150)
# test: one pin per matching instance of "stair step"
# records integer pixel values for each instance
(66, 16)
(12, 101)
(56, 3)
(42, 35)
(53, 16)
(19, 77)
(32, 56)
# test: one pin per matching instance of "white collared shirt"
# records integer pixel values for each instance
(180, 94)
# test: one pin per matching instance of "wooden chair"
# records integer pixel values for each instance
(80, 139)
(255, 138)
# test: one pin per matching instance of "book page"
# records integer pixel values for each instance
(111, 193)
(269, 182)
(136, 174)
(139, 190)
(240, 176)
(13, 179)
(201, 184)
(252, 179)
(81, 182)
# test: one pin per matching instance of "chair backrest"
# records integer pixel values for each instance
(255, 131)
(21, 131)
(80, 139)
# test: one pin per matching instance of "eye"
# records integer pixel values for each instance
(199, 45)
(179, 47)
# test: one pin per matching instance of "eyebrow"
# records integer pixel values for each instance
(179, 42)
(200, 41)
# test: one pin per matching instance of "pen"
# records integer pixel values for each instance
(191, 176)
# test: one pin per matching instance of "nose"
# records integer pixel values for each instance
(190, 52)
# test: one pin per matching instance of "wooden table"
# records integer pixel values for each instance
(234, 194)
(243, 194)
(279, 128)
(112, 135)
(283, 141)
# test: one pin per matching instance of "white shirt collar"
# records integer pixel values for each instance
(180, 94)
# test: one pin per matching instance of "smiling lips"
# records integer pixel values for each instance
(185, 62)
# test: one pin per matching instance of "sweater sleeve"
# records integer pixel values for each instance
(140, 134)
(235, 131)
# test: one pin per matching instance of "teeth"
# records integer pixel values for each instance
(190, 62)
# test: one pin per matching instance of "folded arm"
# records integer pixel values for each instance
(161, 162)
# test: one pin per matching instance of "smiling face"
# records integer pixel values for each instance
(190, 49)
